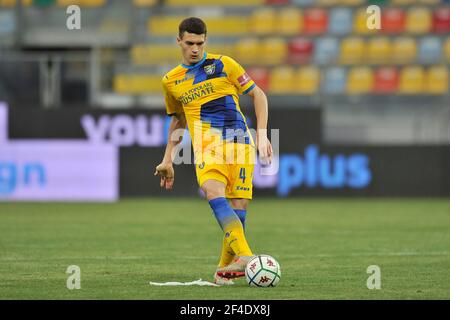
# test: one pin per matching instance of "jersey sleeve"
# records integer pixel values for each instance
(173, 106)
(237, 75)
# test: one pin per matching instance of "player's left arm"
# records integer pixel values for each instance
(262, 115)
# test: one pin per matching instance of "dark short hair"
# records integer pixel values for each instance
(192, 25)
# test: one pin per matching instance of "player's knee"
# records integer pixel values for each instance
(213, 190)
(240, 204)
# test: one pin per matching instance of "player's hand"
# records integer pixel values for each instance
(264, 148)
(165, 170)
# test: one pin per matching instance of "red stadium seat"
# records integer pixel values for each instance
(316, 21)
(441, 20)
(386, 80)
(393, 21)
(260, 76)
(300, 50)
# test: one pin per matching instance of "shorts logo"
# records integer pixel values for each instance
(210, 69)
(244, 79)
(242, 188)
(201, 165)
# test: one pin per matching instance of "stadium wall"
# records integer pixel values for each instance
(306, 166)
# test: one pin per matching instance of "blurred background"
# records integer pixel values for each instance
(360, 111)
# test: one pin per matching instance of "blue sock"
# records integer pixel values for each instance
(241, 214)
(223, 212)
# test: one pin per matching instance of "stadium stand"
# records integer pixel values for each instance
(301, 47)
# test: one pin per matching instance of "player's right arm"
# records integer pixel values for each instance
(178, 121)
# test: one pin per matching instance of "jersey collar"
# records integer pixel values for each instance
(195, 65)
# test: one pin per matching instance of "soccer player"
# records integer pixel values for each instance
(202, 93)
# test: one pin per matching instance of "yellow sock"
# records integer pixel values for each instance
(235, 237)
(227, 254)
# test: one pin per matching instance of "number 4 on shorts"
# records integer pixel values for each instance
(242, 175)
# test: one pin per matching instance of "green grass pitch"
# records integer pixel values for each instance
(324, 247)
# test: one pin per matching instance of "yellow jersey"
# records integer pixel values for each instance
(208, 94)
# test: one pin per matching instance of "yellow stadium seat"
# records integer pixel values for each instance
(437, 80)
(447, 49)
(360, 23)
(281, 80)
(223, 49)
(247, 50)
(81, 3)
(137, 83)
(404, 50)
(12, 3)
(155, 54)
(360, 80)
(327, 2)
(352, 50)
(379, 50)
(168, 25)
(214, 3)
(307, 80)
(418, 20)
(144, 3)
(402, 2)
(263, 20)
(430, 2)
(273, 51)
(290, 21)
(352, 2)
(93, 3)
(412, 80)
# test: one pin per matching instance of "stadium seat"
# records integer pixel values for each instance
(273, 51)
(137, 83)
(302, 3)
(379, 50)
(352, 2)
(404, 50)
(307, 80)
(290, 21)
(144, 3)
(360, 23)
(402, 2)
(360, 80)
(237, 3)
(430, 2)
(340, 21)
(437, 81)
(327, 3)
(225, 49)
(229, 26)
(430, 49)
(277, 2)
(352, 50)
(300, 50)
(393, 20)
(412, 80)
(327, 51)
(248, 50)
(281, 80)
(260, 76)
(386, 80)
(315, 21)
(262, 21)
(447, 50)
(334, 81)
(154, 54)
(441, 20)
(418, 20)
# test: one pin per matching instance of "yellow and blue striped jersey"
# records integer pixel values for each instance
(208, 94)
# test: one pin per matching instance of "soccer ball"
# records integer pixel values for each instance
(263, 271)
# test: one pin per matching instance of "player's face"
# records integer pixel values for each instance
(192, 47)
